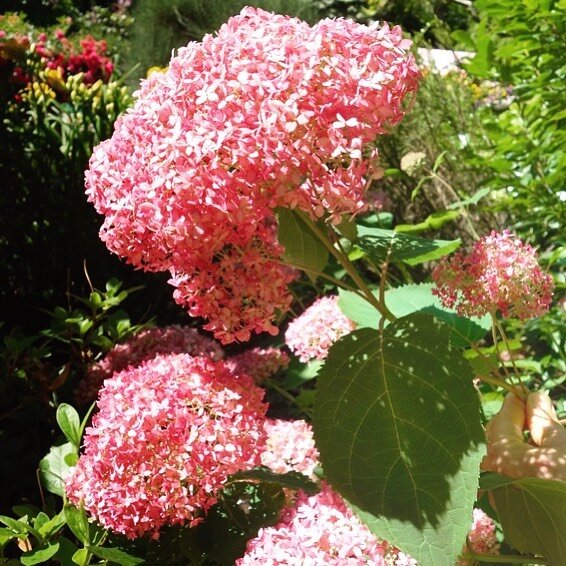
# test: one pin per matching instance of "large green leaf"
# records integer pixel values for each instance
(54, 468)
(382, 244)
(532, 512)
(407, 299)
(302, 248)
(397, 424)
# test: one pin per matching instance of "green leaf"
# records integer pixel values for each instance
(302, 248)
(413, 298)
(464, 39)
(78, 523)
(491, 403)
(490, 480)
(20, 527)
(290, 480)
(29, 510)
(483, 59)
(348, 228)
(397, 424)
(407, 299)
(51, 526)
(39, 555)
(66, 552)
(81, 556)
(69, 422)
(298, 373)
(53, 468)
(8, 534)
(358, 310)
(115, 555)
(382, 244)
(474, 199)
(532, 512)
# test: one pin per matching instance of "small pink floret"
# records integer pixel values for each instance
(481, 537)
(311, 334)
(290, 447)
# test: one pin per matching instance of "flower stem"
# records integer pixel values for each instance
(348, 266)
(519, 389)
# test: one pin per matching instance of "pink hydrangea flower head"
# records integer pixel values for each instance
(481, 537)
(146, 344)
(311, 334)
(500, 274)
(259, 363)
(166, 436)
(290, 447)
(241, 290)
(319, 530)
(268, 112)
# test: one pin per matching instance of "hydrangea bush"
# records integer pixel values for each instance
(246, 162)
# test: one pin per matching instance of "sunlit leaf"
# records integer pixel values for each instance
(397, 424)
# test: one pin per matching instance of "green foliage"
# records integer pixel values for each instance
(391, 246)
(520, 45)
(533, 515)
(302, 248)
(49, 124)
(39, 371)
(55, 466)
(408, 299)
(394, 440)
(289, 480)
(428, 159)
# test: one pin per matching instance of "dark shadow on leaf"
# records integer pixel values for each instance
(397, 422)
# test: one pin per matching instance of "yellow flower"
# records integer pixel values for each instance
(40, 92)
(54, 78)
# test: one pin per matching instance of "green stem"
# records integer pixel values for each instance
(523, 391)
(349, 267)
(325, 276)
(500, 383)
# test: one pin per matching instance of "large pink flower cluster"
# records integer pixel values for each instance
(166, 436)
(147, 344)
(290, 447)
(268, 112)
(500, 274)
(260, 363)
(311, 334)
(319, 530)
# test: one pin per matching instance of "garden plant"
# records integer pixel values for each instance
(360, 381)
